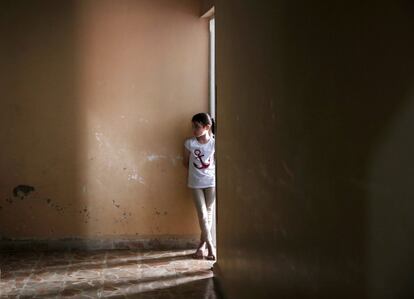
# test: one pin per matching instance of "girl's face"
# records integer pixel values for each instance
(199, 129)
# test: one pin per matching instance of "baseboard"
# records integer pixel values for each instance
(142, 243)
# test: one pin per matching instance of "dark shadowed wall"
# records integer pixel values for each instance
(206, 5)
(315, 111)
(96, 100)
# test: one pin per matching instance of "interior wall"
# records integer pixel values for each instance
(97, 98)
(315, 112)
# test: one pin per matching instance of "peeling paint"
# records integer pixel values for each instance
(103, 140)
(177, 158)
(155, 157)
(54, 206)
(87, 214)
(123, 218)
(136, 177)
(48, 201)
(98, 137)
(133, 176)
(22, 191)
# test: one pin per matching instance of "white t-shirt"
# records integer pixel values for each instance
(201, 168)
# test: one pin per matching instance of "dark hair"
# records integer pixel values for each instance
(204, 119)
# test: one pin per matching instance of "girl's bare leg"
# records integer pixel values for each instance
(210, 197)
(204, 199)
(211, 255)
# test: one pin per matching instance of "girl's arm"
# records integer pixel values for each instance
(186, 157)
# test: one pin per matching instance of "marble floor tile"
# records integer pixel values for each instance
(106, 274)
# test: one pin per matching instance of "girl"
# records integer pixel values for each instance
(199, 159)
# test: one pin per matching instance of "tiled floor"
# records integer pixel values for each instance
(106, 274)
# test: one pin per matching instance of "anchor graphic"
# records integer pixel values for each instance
(199, 155)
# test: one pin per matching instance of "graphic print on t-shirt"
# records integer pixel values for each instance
(197, 152)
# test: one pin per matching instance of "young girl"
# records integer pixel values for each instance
(199, 159)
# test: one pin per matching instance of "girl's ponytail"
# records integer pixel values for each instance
(205, 119)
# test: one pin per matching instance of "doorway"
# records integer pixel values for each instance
(212, 106)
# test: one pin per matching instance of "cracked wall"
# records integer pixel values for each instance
(97, 98)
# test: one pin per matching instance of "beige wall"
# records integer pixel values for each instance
(96, 100)
(315, 150)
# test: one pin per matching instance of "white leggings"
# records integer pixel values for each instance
(204, 200)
